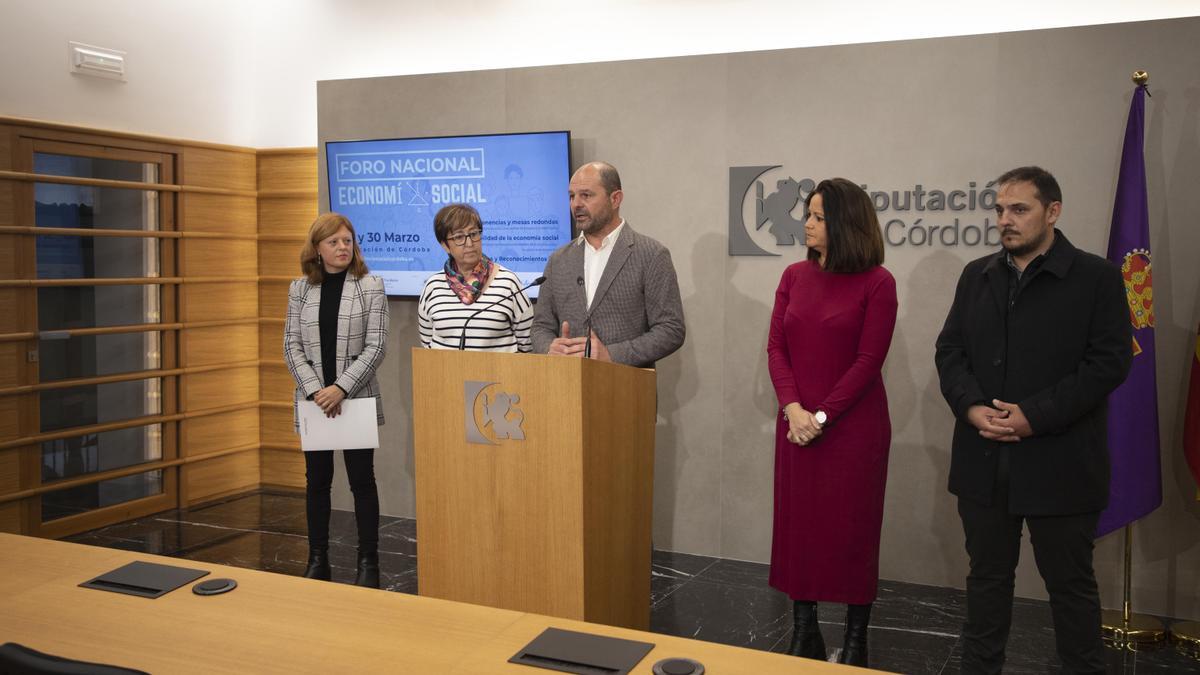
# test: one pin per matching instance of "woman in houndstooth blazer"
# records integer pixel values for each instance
(333, 341)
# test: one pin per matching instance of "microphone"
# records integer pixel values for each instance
(587, 325)
(462, 340)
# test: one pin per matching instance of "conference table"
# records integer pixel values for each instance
(273, 623)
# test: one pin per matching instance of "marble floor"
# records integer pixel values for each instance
(914, 628)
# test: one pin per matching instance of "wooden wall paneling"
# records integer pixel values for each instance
(23, 411)
(10, 418)
(290, 215)
(288, 170)
(10, 471)
(282, 468)
(8, 190)
(278, 427)
(270, 340)
(219, 257)
(212, 433)
(272, 298)
(277, 383)
(220, 476)
(103, 148)
(218, 213)
(285, 215)
(10, 246)
(279, 258)
(221, 388)
(7, 134)
(215, 168)
(10, 517)
(10, 318)
(11, 353)
(7, 187)
(98, 141)
(221, 344)
(221, 300)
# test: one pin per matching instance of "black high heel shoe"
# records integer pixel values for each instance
(806, 632)
(368, 570)
(318, 564)
(854, 649)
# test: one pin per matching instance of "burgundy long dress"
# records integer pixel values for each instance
(829, 336)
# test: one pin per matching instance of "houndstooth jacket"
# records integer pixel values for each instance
(361, 339)
(636, 312)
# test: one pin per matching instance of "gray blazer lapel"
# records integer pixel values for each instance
(574, 259)
(310, 327)
(622, 248)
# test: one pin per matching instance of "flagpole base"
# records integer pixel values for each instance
(1144, 632)
(1186, 635)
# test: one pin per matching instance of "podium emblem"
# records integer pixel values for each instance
(491, 415)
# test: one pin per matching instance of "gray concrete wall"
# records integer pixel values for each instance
(939, 113)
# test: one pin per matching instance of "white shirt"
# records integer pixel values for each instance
(595, 260)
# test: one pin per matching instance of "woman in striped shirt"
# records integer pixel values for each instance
(471, 282)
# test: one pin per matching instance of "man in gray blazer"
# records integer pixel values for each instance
(612, 282)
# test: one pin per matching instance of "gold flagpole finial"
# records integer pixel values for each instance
(1141, 77)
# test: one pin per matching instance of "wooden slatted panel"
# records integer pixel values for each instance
(277, 383)
(288, 170)
(7, 187)
(10, 471)
(270, 341)
(220, 257)
(221, 344)
(285, 215)
(215, 168)
(214, 302)
(212, 433)
(10, 518)
(273, 298)
(10, 418)
(221, 388)
(217, 213)
(278, 426)
(283, 468)
(10, 319)
(220, 476)
(279, 258)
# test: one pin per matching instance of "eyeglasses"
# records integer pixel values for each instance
(461, 238)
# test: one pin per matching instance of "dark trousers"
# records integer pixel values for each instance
(1062, 548)
(360, 468)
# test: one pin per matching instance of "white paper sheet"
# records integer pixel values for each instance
(354, 428)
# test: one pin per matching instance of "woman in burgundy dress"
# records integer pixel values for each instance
(830, 332)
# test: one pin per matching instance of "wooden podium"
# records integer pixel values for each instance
(534, 480)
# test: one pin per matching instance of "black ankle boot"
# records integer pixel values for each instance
(368, 570)
(854, 649)
(318, 564)
(806, 633)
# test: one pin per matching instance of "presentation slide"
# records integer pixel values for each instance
(391, 189)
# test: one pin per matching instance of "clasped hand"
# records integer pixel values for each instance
(803, 427)
(1001, 421)
(330, 400)
(574, 346)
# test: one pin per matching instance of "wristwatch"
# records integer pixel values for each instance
(820, 417)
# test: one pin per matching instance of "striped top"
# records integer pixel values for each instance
(503, 327)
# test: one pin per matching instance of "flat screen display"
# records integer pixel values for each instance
(391, 189)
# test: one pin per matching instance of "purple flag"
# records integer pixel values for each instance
(1136, 485)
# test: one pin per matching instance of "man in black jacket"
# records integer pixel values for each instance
(1037, 337)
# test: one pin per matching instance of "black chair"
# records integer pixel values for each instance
(18, 659)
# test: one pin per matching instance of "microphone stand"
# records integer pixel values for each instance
(462, 339)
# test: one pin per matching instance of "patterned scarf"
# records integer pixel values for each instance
(468, 287)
